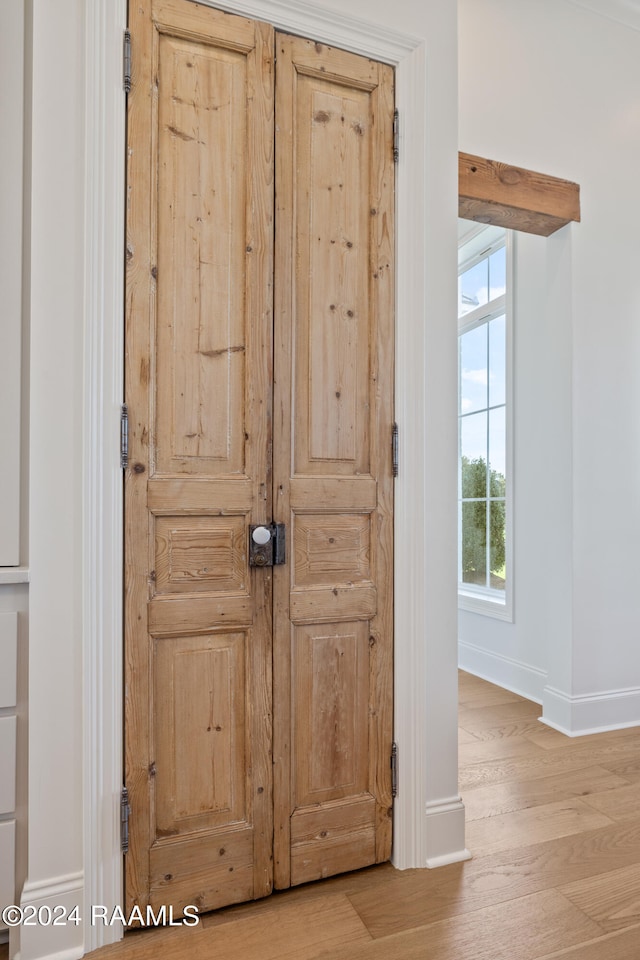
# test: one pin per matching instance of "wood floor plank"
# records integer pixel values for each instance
(501, 713)
(497, 749)
(548, 737)
(612, 899)
(294, 931)
(614, 756)
(627, 767)
(380, 877)
(529, 727)
(552, 739)
(490, 730)
(496, 799)
(547, 822)
(421, 897)
(620, 804)
(463, 737)
(484, 695)
(616, 946)
(524, 929)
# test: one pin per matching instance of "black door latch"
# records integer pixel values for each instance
(266, 544)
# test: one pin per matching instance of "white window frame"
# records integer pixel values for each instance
(476, 599)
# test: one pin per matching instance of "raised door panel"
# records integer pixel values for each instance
(332, 231)
(332, 471)
(201, 332)
(198, 384)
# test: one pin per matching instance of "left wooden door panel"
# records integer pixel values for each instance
(199, 318)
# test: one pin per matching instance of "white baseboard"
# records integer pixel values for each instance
(48, 942)
(445, 832)
(71, 954)
(593, 713)
(520, 678)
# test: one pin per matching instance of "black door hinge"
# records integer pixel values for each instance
(124, 436)
(125, 812)
(394, 770)
(126, 61)
(394, 449)
(396, 136)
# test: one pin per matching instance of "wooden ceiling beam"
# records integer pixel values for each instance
(512, 197)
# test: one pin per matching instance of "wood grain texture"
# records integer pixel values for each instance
(621, 804)
(609, 754)
(612, 900)
(495, 799)
(526, 928)
(198, 316)
(515, 198)
(617, 946)
(300, 931)
(545, 822)
(333, 410)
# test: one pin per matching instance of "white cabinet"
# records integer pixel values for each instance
(8, 686)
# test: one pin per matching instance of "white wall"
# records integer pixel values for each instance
(11, 165)
(13, 463)
(69, 253)
(554, 87)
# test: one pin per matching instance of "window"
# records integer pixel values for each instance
(484, 475)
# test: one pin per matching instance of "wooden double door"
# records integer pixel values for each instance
(259, 384)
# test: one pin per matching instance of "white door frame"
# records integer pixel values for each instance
(428, 813)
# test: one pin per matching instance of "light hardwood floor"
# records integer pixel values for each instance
(554, 827)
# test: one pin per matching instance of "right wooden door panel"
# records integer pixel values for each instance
(332, 467)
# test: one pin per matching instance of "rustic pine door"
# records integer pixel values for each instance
(259, 362)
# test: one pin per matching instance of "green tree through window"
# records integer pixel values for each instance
(479, 516)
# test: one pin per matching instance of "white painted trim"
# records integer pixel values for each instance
(102, 516)
(52, 887)
(580, 716)
(328, 26)
(485, 606)
(68, 954)
(415, 842)
(9, 660)
(507, 672)
(14, 575)
(445, 826)
(411, 838)
(48, 942)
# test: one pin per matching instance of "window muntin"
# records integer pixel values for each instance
(484, 475)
